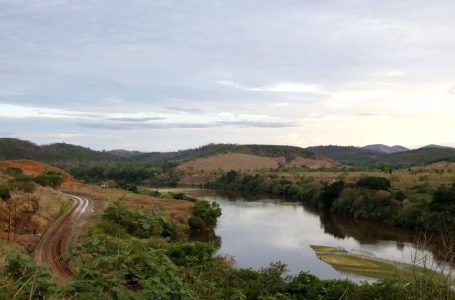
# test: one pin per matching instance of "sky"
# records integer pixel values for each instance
(159, 75)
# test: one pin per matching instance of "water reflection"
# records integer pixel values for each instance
(257, 230)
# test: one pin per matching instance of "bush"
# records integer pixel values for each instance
(14, 171)
(191, 254)
(196, 223)
(374, 183)
(207, 212)
(28, 281)
(5, 192)
(52, 179)
(140, 224)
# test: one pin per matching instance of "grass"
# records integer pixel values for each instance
(346, 262)
(174, 190)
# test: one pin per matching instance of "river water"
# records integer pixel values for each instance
(258, 231)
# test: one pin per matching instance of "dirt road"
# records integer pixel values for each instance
(55, 243)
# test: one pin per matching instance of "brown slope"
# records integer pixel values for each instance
(248, 162)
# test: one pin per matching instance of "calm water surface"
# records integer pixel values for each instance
(257, 232)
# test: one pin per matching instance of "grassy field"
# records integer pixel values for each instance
(352, 263)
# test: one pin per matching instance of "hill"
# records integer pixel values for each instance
(348, 155)
(380, 148)
(34, 168)
(59, 152)
(288, 152)
(11, 149)
(357, 156)
(435, 146)
(420, 156)
(250, 162)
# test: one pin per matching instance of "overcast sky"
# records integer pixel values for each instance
(166, 75)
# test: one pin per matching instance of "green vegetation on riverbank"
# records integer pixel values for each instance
(136, 255)
(371, 198)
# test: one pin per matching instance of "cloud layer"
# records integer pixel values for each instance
(164, 75)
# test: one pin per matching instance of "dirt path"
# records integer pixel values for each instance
(55, 243)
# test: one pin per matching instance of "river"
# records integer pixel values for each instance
(258, 231)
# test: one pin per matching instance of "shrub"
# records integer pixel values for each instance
(196, 223)
(374, 183)
(191, 254)
(208, 212)
(52, 179)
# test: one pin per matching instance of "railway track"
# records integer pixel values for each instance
(55, 244)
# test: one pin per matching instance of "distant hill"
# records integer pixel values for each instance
(433, 146)
(120, 153)
(420, 156)
(288, 152)
(380, 148)
(357, 156)
(61, 154)
(250, 162)
(348, 155)
(11, 149)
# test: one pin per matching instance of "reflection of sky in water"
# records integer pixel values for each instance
(256, 233)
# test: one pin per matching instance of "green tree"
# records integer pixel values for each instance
(5, 195)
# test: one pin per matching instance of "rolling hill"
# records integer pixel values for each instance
(11, 149)
(380, 148)
(356, 156)
(250, 162)
(60, 152)
(372, 155)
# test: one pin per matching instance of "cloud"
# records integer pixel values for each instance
(273, 66)
(185, 110)
(163, 125)
(136, 120)
(279, 87)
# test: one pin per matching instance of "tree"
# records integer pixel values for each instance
(374, 183)
(5, 195)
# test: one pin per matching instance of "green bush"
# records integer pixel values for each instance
(52, 179)
(196, 223)
(26, 280)
(140, 224)
(191, 254)
(208, 212)
(374, 183)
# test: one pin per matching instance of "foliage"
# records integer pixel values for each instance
(204, 214)
(24, 279)
(140, 224)
(5, 193)
(374, 183)
(23, 183)
(191, 254)
(50, 178)
(370, 198)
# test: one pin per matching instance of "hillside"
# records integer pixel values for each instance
(348, 155)
(60, 152)
(249, 162)
(380, 148)
(420, 156)
(11, 149)
(34, 168)
(288, 152)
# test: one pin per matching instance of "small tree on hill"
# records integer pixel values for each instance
(5, 195)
